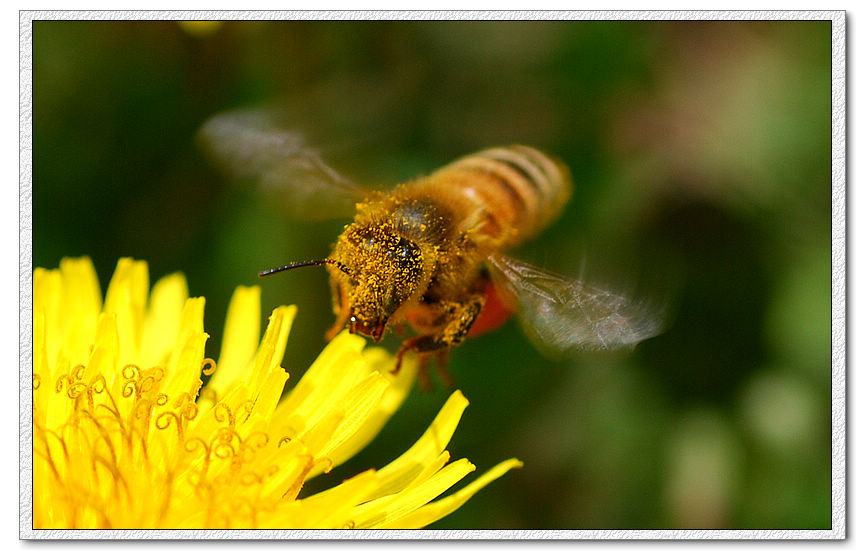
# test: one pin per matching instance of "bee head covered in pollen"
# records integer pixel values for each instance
(375, 272)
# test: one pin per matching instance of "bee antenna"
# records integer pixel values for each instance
(290, 266)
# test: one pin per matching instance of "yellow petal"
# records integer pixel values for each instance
(272, 347)
(162, 322)
(402, 470)
(81, 285)
(126, 297)
(268, 395)
(338, 368)
(367, 510)
(245, 378)
(398, 388)
(326, 510)
(388, 510)
(82, 303)
(240, 338)
(432, 512)
(356, 410)
(185, 361)
(47, 295)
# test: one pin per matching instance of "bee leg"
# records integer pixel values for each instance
(423, 376)
(458, 318)
(337, 327)
(341, 309)
(444, 373)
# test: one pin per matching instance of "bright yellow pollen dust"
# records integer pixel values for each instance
(125, 435)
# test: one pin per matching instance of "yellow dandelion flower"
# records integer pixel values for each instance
(124, 435)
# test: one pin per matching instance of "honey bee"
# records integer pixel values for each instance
(430, 253)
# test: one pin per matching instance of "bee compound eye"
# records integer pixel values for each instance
(405, 251)
(368, 243)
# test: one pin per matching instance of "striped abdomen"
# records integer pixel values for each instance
(514, 192)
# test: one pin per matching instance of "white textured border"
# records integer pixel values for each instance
(428, 534)
(25, 275)
(839, 278)
(837, 17)
(839, 274)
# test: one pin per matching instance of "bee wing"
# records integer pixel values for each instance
(250, 145)
(562, 314)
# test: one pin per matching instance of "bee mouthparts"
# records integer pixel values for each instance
(375, 330)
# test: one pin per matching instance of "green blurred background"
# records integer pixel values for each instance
(701, 158)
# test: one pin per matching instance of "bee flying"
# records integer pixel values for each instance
(430, 252)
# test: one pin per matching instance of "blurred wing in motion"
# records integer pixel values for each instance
(249, 145)
(562, 315)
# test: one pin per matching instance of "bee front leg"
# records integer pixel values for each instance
(341, 309)
(456, 320)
